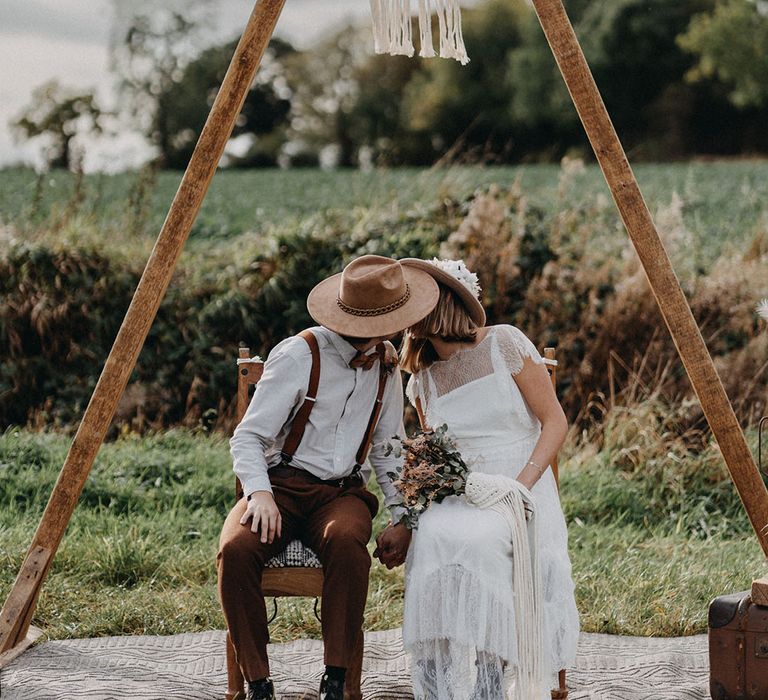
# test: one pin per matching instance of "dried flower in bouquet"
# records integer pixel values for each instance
(433, 468)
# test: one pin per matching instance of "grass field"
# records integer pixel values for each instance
(138, 557)
(723, 203)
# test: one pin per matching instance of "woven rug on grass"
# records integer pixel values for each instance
(193, 666)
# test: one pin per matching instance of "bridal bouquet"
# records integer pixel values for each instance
(432, 469)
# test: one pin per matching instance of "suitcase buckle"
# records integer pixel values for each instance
(761, 646)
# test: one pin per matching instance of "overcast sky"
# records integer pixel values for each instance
(68, 40)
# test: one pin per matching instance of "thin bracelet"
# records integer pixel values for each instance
(541, 469)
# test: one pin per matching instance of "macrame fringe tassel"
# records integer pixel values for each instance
(505, 496)
(528, 599)
(425, 30)
(392, 28)
(451, 38)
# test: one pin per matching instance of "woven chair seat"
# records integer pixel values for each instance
(295, 554)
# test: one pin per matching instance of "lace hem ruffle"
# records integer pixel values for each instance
(461, 636)
(454, 603)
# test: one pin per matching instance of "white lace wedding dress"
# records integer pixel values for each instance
(459, 622)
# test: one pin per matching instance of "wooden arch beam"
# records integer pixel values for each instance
(664, 283)
(19, 607)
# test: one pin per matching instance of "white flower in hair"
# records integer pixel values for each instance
(762, 309)
(459, 270)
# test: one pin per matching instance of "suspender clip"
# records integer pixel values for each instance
(354, 474)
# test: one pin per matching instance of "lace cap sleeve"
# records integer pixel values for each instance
(515, 346)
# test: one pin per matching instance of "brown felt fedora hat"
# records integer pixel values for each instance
(373, 296)
(454, 275)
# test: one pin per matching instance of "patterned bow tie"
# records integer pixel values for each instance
(362, 360)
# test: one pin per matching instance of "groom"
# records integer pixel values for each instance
(325, 401)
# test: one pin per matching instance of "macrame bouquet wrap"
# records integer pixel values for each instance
(392, 31)
(509, 497)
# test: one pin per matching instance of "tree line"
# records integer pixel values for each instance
(680, 78)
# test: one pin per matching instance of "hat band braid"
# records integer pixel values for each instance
(379, 311)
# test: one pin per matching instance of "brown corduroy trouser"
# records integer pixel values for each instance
(336, 523)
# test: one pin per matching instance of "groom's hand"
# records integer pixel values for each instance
(266, 516)
(392, 545)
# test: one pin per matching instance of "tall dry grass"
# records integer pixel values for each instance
(576, 282)
(551, 253)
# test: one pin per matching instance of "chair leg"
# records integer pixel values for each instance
(235, 680)
(560, 693)
(352, 689)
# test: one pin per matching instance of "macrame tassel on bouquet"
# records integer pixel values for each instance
(506, 496)
(392, 28)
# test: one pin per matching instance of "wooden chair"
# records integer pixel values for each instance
(280, 578)
(560, 693)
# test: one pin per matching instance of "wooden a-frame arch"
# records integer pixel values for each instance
(20, 605)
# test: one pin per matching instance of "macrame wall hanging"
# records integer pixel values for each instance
(392, 32)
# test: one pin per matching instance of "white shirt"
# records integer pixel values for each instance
(337, 423)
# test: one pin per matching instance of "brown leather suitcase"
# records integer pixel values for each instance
(738, 648)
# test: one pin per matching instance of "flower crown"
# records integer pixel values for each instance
(458, 270)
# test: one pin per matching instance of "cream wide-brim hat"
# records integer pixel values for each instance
(373, 296)
(471, 302)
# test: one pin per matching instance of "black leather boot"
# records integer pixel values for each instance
(260, 690)
(331, 688)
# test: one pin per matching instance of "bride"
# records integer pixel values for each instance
(490, 386)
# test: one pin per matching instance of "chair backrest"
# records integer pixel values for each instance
(249, 371)
(551, 364)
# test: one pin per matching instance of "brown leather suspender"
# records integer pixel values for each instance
(291, 443)
(365, 445)
(299, 424)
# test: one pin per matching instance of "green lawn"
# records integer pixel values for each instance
(722, 203)
(138, 557)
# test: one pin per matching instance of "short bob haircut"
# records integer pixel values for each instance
(449, 320)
